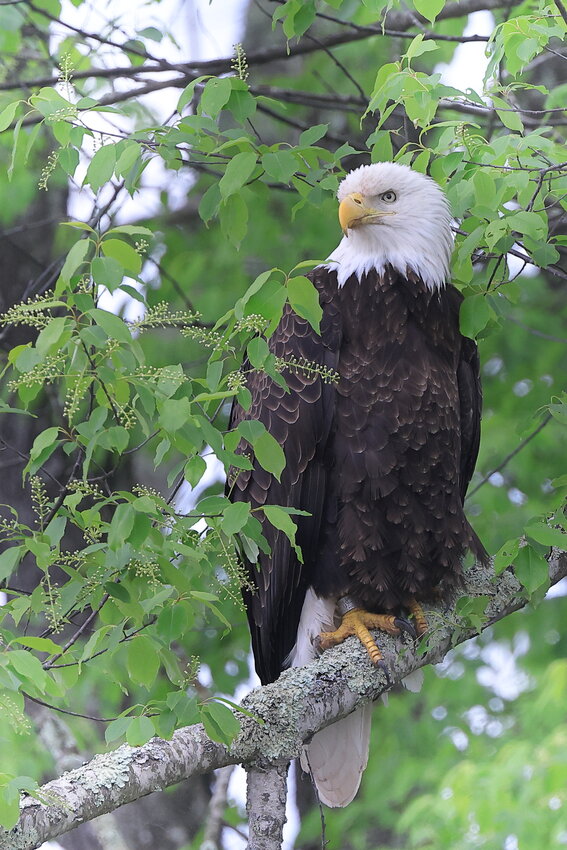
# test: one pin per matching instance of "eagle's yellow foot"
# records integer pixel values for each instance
(357, 621)
(419, 617)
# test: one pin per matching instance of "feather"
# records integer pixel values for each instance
(413, 681)
(337, 756)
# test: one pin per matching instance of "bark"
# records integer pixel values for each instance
(290, 711)
(217, 805)
(267, 793)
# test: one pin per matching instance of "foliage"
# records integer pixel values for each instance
(131, 582)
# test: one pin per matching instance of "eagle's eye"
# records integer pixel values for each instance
(388, 196)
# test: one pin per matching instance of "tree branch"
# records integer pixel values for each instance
(217, 805)
(266, 797)
(398, 23)
(547, 418)
(291, 710)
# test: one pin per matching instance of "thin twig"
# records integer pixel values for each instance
(67, 710)
(27, 459)
(547, 418)
(535, 332)
(75, 637)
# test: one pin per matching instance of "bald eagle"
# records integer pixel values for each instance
(380, 460)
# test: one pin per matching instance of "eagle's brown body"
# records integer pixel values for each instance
(381, 459)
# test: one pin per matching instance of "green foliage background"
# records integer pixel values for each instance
(125, 592)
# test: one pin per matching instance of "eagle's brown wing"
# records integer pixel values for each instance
(300, 419)
(470, 397)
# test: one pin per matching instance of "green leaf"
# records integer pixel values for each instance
(241, 103)
(78, 225)
(9, 810)
(56, 529)
(418, 46)
(131, 230)
(429, 8)
(29, 667)
(75, 259)
(281, 520)
(215, 94)
(220, 723)
(174, 413)
(9, 560)
(194, 469)
(529, 223)
(269, 454)
(43, 447)
(116, 437)
(238, 171)
(474, 316)
(235, 517)
(121, 525)
(7, 115)
(139, 731)
(188, 93)
(101, 167)
(507, 115)
(131, 153)
(233, 215)
(52, 334)
(68, 159)
(268, 302)
(281, 165)
(142, 660)
(117, 591)
(547, 536)
(312, 135)
(116, 729)
(304, 299)
(209, 203)
(113, 326)
(257, 351)
(254, 287)
(38, 643)
(123, 253)
(48, 101)
(107, 272)
(531, 569)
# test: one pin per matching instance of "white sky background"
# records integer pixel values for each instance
(206, 31)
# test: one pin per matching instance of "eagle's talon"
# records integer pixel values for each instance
(357, 622)
(316, 643)
(406, 626)
(381, 665)
(419, 617)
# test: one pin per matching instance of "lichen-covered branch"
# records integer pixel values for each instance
(302, 701)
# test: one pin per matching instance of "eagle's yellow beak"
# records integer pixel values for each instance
(353, 212)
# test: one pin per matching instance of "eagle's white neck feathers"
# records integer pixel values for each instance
(417, 238)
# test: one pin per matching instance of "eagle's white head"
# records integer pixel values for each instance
(393, 215)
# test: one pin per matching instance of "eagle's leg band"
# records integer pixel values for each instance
(346, 604)
(419, 617)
